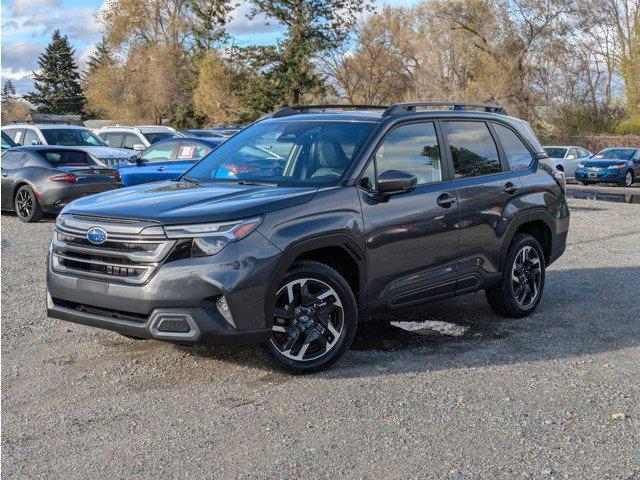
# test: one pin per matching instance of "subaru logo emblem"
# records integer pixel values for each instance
(96, 235)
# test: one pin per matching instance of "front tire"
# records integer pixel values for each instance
(628, 179)
(27, 206)
(315, 319)
(522, 282)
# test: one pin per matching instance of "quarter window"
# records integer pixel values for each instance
(472, 149)
(518, 155)
(29, 137)
(412, 149)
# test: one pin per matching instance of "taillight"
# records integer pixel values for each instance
(68, 178)
(116, 175)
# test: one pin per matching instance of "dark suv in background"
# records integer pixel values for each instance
(360, 209)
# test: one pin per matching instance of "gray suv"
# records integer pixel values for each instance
(312, 220)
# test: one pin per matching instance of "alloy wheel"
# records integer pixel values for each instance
(628, 179)
(526, 276)
(24, 203)
(308, 319)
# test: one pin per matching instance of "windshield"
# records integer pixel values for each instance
(72, 137)
(285, 152)
(157, 136)
(555, 152)
(615, 154)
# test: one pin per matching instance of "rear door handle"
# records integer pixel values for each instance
(510, 188)
(445, 200)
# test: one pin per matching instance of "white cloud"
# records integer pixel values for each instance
(77, 24)
(24, 7)
(241, 25)
(8, 74)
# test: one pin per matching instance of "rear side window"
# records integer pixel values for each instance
(473, 150)
(192, 151)
(157, 136)
(66, 158)
(159, 153)
(413, 149)
(518, 155)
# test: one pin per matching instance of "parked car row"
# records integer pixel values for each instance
(611, 165)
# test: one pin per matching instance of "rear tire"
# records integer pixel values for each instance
(27, 206)
(585, 183)
(315, 319)
(522, 282)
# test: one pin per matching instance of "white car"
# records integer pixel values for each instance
(565, 159)
(25, 134)
(135, 138)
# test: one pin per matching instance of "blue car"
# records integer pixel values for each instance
(611, 165)
(165, 159)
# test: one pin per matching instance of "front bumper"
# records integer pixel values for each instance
(601, 176)
(180, 294)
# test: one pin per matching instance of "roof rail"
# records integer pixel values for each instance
(411, 107)
(297, 109)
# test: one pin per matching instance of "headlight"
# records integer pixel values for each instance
(617, 166)
(210, 238)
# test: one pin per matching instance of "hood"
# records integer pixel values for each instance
(108, 152)
(172, 203)
(603, 163)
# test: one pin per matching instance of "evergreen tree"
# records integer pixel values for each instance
(57, 88)
(101, 57)
(8, 90)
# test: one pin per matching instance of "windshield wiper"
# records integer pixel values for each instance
(190, 180)
(257, 184)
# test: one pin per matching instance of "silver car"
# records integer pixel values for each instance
(565, 159)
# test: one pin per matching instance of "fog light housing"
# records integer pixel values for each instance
(225, 311)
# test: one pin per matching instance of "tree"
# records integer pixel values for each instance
(57, 88)
(312, 27)
(102, 56)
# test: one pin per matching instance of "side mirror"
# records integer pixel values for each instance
(138, 147)
(393, 182)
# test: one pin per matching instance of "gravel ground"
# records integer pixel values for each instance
(555, 395)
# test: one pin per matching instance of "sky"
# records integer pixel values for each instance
(27, 25)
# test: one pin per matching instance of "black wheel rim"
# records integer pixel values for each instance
(308, 320)
(526, 277)
(24, 203)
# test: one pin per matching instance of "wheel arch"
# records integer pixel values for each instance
(341, 251)
(538, 224)
(19, 184)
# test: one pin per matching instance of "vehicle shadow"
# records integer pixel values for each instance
(583, 312)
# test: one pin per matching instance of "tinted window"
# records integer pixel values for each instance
(6, 141)
(413, 149)
(16, 135)
(72, 137)
(66, 158)
(192, 151)
(554, 152)
(157, 136)
(518, 155)
(30, 137)
(368, 179)
(583, 152)
(130, 140)
(114, 139)
(159, 153)
(11, 160)
(472, 149)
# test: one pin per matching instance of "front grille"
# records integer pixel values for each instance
(131, 254)
(103, 312)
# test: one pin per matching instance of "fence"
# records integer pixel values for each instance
(593, 142)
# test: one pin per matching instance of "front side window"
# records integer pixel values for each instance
(472, 148)
(30, 137)
(159, 153)
(285, 152)
(130, 140)
(412, 149)
(72, 137)
(518, 155)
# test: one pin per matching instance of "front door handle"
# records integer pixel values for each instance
(510, 188)
(445, 200)
(161, 169)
